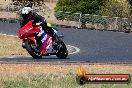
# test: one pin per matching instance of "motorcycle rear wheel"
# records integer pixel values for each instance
(62, 50)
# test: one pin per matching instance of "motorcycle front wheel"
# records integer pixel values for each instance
(34, 51)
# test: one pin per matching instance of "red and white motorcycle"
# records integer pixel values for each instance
(33, 45)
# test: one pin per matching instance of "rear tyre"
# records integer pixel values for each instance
(30, 47)
(62, 50)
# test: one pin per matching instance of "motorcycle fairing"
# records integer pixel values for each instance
(26, 31)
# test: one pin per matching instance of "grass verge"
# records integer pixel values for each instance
(52, 81)
(11, 46)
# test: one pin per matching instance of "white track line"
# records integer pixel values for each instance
(77, 50)
(7, 35)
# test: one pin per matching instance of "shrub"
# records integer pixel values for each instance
(83, 6)
(120, 8)
(73, 6)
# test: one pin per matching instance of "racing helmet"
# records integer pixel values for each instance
(27, 13)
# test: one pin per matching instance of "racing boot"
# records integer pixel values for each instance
(54, 37)
(53, 34)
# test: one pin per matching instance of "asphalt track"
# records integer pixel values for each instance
(95, 46)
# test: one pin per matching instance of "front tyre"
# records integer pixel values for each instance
(62, 50)
(32, 50)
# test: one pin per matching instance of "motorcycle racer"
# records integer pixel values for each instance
(27, 15)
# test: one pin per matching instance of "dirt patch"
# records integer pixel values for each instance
(64, 69)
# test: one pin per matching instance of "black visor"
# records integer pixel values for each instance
(26, 16)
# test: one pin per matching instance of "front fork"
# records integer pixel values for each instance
(29, 38)
(23, 45)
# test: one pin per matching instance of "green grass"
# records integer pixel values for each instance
(49, 81)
